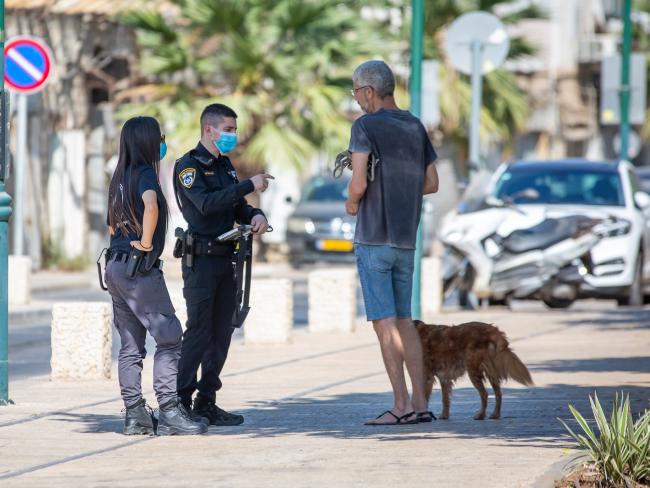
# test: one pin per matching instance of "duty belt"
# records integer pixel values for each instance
(207, 247)
(123, 257)
(142, 263)
(187, 246)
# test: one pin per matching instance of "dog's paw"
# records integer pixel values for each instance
(495, 416)
(479, 416)
(443, 417)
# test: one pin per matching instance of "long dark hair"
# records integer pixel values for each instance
(139, 145)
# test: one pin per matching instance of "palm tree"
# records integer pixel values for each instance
(284, 66)
(505, 107)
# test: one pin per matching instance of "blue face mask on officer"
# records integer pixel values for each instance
(226, 142)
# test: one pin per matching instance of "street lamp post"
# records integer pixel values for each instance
(415, 92)
(5, 213)
(625, 78)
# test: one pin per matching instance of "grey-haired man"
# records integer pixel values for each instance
(388, 210)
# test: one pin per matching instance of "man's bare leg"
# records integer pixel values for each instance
(412, 353)
(392, 352)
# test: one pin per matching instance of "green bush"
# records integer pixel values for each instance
(621, 450)
(55, 258)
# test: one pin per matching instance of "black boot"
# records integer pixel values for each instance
(216, 415)
(174, 420)
(139, 419)
(187, 409)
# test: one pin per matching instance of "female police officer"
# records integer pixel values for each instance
(137, 219)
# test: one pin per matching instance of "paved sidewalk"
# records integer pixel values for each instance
(305, 404)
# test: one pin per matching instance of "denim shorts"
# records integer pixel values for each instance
(386, 275)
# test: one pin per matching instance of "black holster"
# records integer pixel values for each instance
(140, 262)
(184, 246)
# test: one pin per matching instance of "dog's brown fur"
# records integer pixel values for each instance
(479, 349)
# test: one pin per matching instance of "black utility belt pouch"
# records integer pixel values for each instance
(140, 263)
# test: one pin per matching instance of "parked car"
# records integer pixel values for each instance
(319, 229)
(620, 263)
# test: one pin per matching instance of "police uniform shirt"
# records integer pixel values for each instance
(210, 195)
(145, 179)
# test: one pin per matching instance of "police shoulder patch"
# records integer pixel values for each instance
(187, 177)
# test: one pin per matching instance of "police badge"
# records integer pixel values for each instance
(187, 177)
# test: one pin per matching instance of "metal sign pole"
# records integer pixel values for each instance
(475, 119)
(5, 213)
(21, 162)
(415, 92)
(625, 78)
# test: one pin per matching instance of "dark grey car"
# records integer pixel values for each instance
(319, 229)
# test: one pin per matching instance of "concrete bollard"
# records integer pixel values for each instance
(332, 300)
(20, 286)
(81, 340)
(431, 291)
(270, 320)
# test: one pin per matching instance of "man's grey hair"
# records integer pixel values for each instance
(376, 74)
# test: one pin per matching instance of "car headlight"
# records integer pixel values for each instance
(299, 225)
(614, 228)
(624, 227)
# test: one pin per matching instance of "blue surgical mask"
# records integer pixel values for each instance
(163, 150)
(226, 142)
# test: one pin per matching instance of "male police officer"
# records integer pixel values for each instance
(212, 200)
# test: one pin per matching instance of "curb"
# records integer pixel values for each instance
(37, 315)
(554, 473)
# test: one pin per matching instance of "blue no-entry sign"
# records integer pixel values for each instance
(28, 64)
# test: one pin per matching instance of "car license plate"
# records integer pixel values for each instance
(335, 245)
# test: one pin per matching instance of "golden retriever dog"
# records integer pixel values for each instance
(479, 349)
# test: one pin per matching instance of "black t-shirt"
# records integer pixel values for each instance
(146, 180)
(389, 212)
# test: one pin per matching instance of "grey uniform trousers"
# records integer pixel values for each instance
(142, 304)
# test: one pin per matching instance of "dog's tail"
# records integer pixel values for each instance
(510, 366)
(507, 363)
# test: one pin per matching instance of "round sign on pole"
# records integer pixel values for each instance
(28, 64)
(481, 27)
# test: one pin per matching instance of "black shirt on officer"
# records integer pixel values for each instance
(146, 179)
(211, 197)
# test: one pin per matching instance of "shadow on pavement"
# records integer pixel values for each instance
(639, 364)
(93, 423)
(529, 416)
(618, 319)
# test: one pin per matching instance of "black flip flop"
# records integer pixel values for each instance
(424, 417)
(402, 419)
(398, 420)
